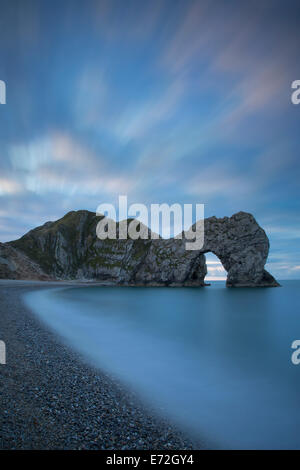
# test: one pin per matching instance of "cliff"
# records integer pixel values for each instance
(69, 249)
(14, 264)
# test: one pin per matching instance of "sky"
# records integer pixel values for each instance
(165, 101)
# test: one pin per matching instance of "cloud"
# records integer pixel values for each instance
(91, 97)
(283, 232)
(284, 270)
(215, 271)
(9, 186)
(138, 120)
(57, 162)
(136, 23)
(295, 268)
(192, 37)
(218, 180)
(248, 70)
(166, 101)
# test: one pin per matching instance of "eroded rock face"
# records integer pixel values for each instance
(242, 247)
(16, 265)
(238, 241)
(70, 249)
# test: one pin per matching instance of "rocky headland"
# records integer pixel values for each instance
(69, 249)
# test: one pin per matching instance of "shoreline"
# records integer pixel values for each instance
(51, 398)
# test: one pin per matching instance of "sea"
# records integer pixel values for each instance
(216, 361)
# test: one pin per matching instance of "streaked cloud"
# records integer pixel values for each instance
(136, 121)
(59, 163)
(165, 101)
(9, 186)
(215, 270)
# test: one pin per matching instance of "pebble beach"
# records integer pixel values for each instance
(51, 398)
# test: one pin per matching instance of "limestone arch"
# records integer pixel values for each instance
(242, 247)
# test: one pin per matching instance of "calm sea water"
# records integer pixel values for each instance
(217, 360)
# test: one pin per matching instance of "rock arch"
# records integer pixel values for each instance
(69, 249)
(242, 246)
(239, 242)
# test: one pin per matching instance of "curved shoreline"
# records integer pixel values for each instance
(52, 399)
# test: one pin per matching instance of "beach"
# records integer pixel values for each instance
(51, 398)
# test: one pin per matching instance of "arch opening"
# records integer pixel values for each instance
(215, 269)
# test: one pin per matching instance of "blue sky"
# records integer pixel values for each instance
(165, 101)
